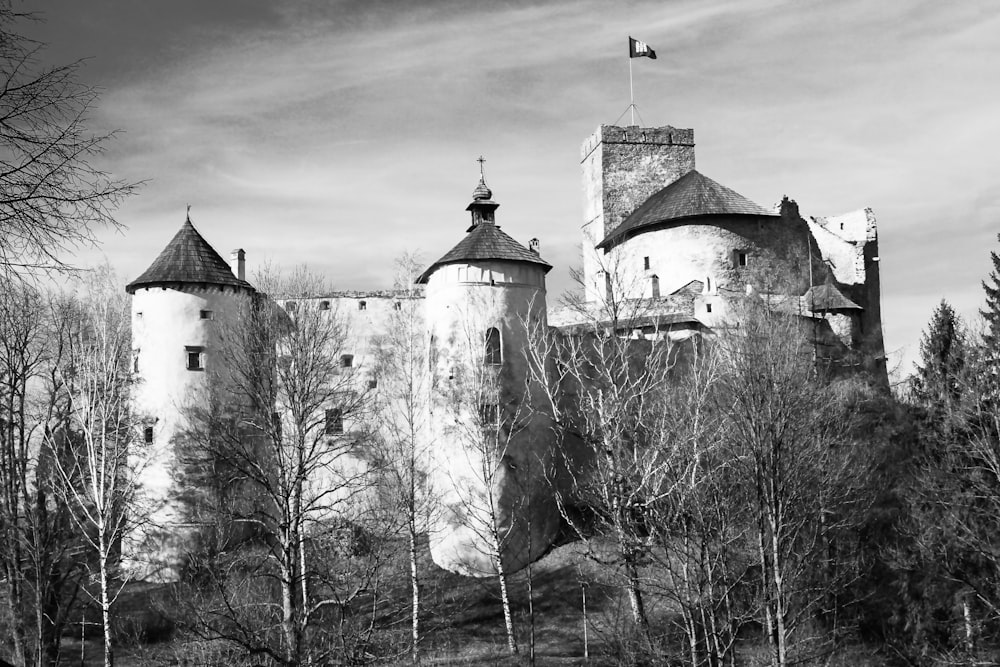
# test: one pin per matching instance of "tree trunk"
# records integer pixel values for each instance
(288, 604)
(504, 599)
(105, 558)
(415, 589)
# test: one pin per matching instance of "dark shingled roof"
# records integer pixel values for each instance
(827, 297)
(188, 258)
(485, 241)
(691, 195)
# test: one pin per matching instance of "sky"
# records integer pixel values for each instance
(342, 134)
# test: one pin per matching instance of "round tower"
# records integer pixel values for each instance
(484, 300)
(180, 306)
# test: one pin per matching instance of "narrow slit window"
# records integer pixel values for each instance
(489, 414)
(708, 307)
(645, 263)
(334, 421)
(493, 356)
(397, 306)
(740, 259)
(362, 305)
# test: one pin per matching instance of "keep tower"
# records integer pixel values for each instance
(622, 167)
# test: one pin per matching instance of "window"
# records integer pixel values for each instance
(654, 286)
(135, 361)
(397, 306)
(346, 360)
(493, 355)
(334, 421)
(207, 315)
(373, 383)
(645, 263)
(489, 414)
(324, 305)
(290, 306)
(740, 258)
(139, 315)
(708, 307)
(362, 305)
(147, 435)
(195, 358)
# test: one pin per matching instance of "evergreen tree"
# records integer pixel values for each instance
(943, 356)
(991, 337)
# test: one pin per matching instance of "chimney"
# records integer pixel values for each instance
(238, 263)
(533, 246)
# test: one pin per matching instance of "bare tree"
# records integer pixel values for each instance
(100, 467)
(605, 379)
(403, 434)
(52, 197)
(789, 444)
(39, 552)
(281, 435)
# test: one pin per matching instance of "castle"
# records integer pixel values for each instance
(655, 232)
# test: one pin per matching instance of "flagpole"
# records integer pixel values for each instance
(631, 96)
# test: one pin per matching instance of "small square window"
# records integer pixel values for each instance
(362, 305)
(740, 258)
(147, 435)
(334, 421)
(207, 315)
(346, 360)
(373, 383)
(324, 305)
(195, 358)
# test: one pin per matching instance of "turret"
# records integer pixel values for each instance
(179, 305)
(485, 298)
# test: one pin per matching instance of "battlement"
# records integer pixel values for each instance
(633, 134)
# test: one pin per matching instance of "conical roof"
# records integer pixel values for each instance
(692, 195)
(188, 258)
(486, 241)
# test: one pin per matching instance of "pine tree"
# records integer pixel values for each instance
(991, 337)
(943, 356)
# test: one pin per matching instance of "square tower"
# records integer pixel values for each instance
(622, 167)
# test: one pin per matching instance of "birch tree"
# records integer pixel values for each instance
(403, 440)
(99, 472)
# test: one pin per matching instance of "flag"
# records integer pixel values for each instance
(637, 49)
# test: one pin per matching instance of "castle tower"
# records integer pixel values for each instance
(179, 305)
(622, 167)
(483, 300)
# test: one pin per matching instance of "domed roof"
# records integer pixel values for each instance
(690, 196)
(188, 258)
(482, 191)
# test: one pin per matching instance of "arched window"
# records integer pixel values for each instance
(493, 356)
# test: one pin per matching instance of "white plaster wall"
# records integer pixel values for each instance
(777, 257)
(164, 322)
(461, 304)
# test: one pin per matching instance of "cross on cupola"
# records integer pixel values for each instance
(482, 206)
